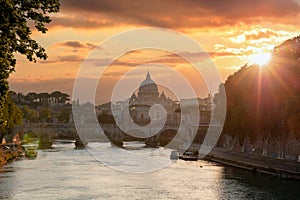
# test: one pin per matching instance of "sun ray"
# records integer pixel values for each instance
(260, 59)
(279, 78)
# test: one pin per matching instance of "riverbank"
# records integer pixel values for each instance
(9, 152)
(258, 164)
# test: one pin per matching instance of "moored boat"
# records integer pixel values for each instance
(31, 150)
(189, 156)
(30, 143)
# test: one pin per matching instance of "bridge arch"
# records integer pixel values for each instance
(166, 136)
(47, 133)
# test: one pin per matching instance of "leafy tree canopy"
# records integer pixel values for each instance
(11, 115)
(265, 102)
(15, 31)
(17, 18)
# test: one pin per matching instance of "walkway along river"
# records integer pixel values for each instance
(66, 173)
(256, 163)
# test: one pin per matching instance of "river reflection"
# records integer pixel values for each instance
(259, 186)
(65, 173)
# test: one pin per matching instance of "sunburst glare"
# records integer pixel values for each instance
(260, 59)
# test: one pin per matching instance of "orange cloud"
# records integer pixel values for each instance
(257, 34)
(80, 22)
(75, 44)
(62, 59)
(265, 33)
(174, 13)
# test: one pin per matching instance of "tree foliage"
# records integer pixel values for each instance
(265, 102)
(16, 19)
(64, 115)
(33, 99)
(10, 116)
(29, 114)
(45, 114)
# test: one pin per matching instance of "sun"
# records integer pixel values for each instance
(260, 59)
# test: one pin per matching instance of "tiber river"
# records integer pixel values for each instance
(65, 173)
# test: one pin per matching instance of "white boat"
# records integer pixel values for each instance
(31, 150)
(189, 156)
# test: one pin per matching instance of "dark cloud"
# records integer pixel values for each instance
(79, 22)
(70, 58)
(175, 13)
(61, 59)
(134, 52)
(76, 44)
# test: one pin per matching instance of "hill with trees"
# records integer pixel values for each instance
(43, 107)
(263, 104)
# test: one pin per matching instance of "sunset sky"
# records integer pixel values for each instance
(232, 32)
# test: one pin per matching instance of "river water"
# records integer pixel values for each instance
(66, 173)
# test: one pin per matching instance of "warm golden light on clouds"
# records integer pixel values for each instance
(232, 32)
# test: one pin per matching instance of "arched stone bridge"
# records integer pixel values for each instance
(160, 137)
(49, 132)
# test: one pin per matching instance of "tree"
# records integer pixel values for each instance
(55, 96)
(10, 116)
(59, 97)
(64, 98)
(263, 104)
(64, 116)
(15, 32)
(45, 114)
(28, 114)
(31, 97)
(43, 98)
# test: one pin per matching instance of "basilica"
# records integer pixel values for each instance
(148, 95)
(138, 114)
